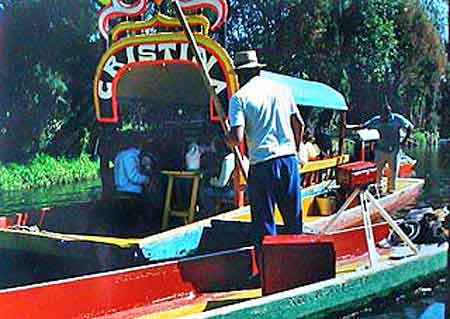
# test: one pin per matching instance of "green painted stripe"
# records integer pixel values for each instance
(349, 290)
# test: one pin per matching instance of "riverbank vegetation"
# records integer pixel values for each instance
(368, 50)
(44, 170)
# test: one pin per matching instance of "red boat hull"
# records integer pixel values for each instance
(148, 288)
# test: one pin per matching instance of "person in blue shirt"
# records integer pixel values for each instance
(387, 148)
(133, 173)
(128, 178)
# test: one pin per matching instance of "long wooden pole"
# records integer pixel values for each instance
(208, 82)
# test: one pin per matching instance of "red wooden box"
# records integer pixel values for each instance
(356, 174)
(290, 261)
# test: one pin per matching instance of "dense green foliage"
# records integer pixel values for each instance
(50, 58)
(420, 138)
(45, 170)
(367, 49)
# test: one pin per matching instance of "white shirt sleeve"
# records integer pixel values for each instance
(226, 170)
(302, 154)
(236, 114)
(293, 104)
(404, 121)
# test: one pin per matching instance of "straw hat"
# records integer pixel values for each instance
(247, 60)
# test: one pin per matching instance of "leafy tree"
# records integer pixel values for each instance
(51, 58)
(419, 66)
(437, 10)
(393, 51)
(369, 52)
(367, 49)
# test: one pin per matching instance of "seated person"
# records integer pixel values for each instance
(322, 134)
(128, 180)
(194, 154)
(308, 150)
(324, 142)
(133, 171)
(219, 186)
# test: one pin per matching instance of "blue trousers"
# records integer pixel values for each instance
(275, 182)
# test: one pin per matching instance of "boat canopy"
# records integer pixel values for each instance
(310, 93)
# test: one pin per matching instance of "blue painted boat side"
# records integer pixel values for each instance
(179, 245)
(184, 241)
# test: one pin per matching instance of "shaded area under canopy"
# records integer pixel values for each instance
(164, 88)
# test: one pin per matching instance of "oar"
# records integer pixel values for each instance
(207, 81)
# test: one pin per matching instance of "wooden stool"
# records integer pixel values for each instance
(188, 214)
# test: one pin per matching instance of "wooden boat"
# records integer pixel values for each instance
(200, 270)
(36, 240)
(137, 56)
(406, 166)
(366, 144)
(215, 283)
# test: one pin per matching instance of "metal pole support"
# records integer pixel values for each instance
(392, 223)
(370, 238)
(367, 198)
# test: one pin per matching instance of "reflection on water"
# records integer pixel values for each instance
(12, 202)
(433, 164)
(433, 307)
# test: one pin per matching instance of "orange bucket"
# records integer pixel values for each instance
(326, 204)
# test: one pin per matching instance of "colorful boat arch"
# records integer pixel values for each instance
(148, 61)
(157, 50)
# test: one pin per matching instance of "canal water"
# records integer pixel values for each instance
(431, 299)
(61, 195)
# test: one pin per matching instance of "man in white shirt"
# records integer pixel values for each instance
(273, 126)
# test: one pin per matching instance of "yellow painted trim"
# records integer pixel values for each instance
(182, 173)
(205, 41)
(120, 242)
(178, 312)
(239, 295)
(160, 20)
(346, 267)
(324, 164)
(200, 306)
